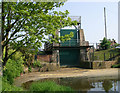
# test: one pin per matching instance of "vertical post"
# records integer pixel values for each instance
(96, 46)
(93, 52)
(113, 56)
(69, 42)
(80, 22)
(104, 56)
(105, 22)
(110, 56)
(90, 56)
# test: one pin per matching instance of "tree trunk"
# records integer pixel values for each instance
(2, 32)
(6, 37)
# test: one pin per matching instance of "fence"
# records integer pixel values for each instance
(105, 56)
(74, 42)
(68, 43)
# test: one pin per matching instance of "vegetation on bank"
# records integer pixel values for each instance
(6, 86)
(118, 64)
(49, 86)
(15, 67)
(109, 53)
(107, 50)
(12, 69)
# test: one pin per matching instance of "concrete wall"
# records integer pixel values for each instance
(86, 65)
(83, 55)
(55, 56)
(104, 64)
(97, 64)
(82, 37)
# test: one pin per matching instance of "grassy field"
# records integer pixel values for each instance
(99, 55)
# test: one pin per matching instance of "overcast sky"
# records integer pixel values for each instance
(92, 15)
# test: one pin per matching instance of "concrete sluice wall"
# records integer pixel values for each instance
(97, 64)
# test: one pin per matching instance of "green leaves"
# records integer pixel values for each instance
(105, 44)
(14, 66)
(27, 23)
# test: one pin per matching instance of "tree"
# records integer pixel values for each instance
(105, 44)
(26, 24)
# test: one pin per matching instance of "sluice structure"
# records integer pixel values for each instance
(71, 52)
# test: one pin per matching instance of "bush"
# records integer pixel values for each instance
(7, 87)
(29, 69)
(116, 66)
(0, 83)
(48, 86)
(13, 67)
(37, 64)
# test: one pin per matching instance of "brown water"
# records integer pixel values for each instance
(103, 84)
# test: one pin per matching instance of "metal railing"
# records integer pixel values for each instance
(48, 46)
(67, 43)
(74, 42)
(105, 56)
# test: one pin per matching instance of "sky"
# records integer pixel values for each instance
(92, 18)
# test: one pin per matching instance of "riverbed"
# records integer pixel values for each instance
(68, 72)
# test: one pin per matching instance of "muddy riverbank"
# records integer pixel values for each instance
(67, 72)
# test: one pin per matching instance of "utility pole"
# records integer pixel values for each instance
(105, 23)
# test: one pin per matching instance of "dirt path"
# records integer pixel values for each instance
(66, 72)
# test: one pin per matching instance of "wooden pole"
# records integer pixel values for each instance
(104, 57)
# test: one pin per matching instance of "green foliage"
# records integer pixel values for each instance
(28, 23)
(48, 86)
(116, 66)
(0, 83)
(67, 37)
(13, 67)
(116, 45)
(7, 87)
(29, 69)
(105, 44)
(37, 64)
(17, 56)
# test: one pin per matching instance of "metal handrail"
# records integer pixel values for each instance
(72, 42)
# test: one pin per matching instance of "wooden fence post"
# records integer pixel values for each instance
(113, 56)
(104, 56)
(93, 52)
(110, 56)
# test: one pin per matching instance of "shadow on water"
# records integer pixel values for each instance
(83, 84)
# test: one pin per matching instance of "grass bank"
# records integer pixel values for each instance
(99, 55)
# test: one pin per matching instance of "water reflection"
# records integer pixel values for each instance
(84, 85)
(107, 85)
